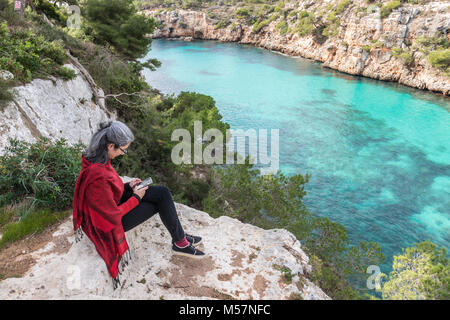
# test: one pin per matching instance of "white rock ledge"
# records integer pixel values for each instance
(240, 265)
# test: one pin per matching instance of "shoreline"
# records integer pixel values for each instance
(339, 73)
(346, 53)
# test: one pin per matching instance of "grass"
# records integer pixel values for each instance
(35, 222)
(6, 95)
(6, 217)
(286, 273)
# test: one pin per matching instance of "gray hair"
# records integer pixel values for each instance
(114, 132)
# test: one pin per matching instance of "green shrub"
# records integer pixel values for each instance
(292, 13)
(342, 5)
(428, 44)
(6, 216)
(406, 56)
(367, 47)
(190, 4)
(330, 280)
(283, 27)
(242, 13)
(4, 4)
(195, 191)
(377, 44)
(421, 272)
(65, 73)
(286, 273)
(387, 9)
(222, 24)
(114, 75)
(117, 23)
(6, 95)
(51, 11)
(332, 29)
(279, 7)
(28, 55)
(258, 25)
(440, 59)
(305, 24)
(303, 14)
(42, 173)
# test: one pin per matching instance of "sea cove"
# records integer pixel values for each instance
(378, 152)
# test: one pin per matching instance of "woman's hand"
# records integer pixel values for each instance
(135, 182)
(140, 192)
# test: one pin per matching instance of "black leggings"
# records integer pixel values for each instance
(156, 199)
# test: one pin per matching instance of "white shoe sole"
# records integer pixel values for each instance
(188, 255)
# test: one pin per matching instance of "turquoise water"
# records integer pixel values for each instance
(378, 153)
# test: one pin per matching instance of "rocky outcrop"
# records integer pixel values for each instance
(54, 109)
(351, 51)
(243, 262)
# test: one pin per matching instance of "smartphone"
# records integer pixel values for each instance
(144, 183)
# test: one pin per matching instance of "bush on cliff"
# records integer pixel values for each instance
(405, 55)
(242, 13)
(305, 24)
(282, 26)
(57, 14)
(421, 272)
(4, 4)
(440, 59)
(387, 9)
(28, 55)
(116, 22)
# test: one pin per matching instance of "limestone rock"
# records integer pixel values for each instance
(54, 109)
(243, 262)
(357, 29)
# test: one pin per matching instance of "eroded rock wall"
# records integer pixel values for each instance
(346, 52)
(54, 109)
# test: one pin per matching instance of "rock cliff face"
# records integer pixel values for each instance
(54, 109)
(348, 51)
(244, 262)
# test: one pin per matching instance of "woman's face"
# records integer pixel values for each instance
(113, 152)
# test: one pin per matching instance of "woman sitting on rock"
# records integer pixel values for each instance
(105, 208)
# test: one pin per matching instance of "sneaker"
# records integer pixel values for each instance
(188, 251)
(193, 239)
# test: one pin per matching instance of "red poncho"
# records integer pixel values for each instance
(95, 209)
